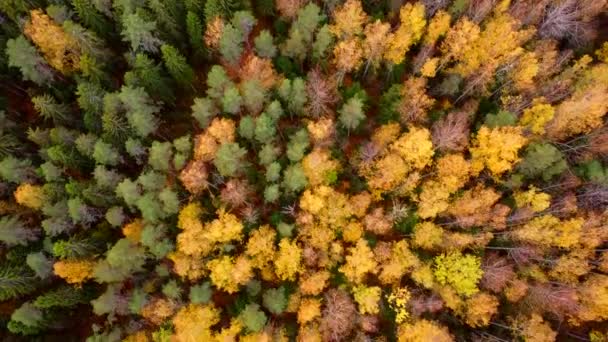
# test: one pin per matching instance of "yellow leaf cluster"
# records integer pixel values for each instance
(453, 172)
(220, 130)
(287, 261)
(480, 308)
(409, 32)
(349, 19)
(602, 53)
(213, 32)
(594, 298)
(193, 323)
(429, 68)
(537, 116)
(132, 231)
(423, 331)
(348, 55)
(428, 235)
(534, 199)
(439, 25)
(533, 329)
(59, 48)
(228, 273)
(398, 300)
(314, 283)
(321, 132)
(524, 72)
(188, 266)
(414, 101)
(367, 298)
(74, 271)
(585, 109)
(400, 261)
(158, 310)
(310, 308)
(359, 262)
(319, 167)
(375, 42)
(260, 246)
(28, 195)
(415, 147)
(548, 230)
(496, 149)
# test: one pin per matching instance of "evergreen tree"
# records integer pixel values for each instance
(177, 65)
(21, 54)
(195, 32)
(92, 18)
(264, 45)
(16, 281)
(140, 33)
(149, 75)
(231, 44)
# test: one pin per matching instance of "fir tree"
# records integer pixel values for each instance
(195, 32)
(177, 65)
(21, 54)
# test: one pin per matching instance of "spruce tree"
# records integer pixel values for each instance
(177, 65)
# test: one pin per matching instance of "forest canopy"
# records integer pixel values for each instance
(304, 170)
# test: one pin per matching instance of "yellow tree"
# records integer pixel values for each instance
(375, 42)
(411, 28)
(496, 149)
(349, 20)
(414, 102)
(59, 48)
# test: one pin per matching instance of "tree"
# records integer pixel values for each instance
(349, 20)
(21, 54)
(160, 155)
(423, 330)
(177, 65)
(14, 232)
(140, 110)
(253, 318)
(462, 272)
(496, 149)
(194, 27)
(359, 262)
(92, 17)
(60, 49)
(542, 160)
(231, 44)
(275, 300)
(229, 159)
(140, 33)
(264, 45)
(149, 75)
(412, 23)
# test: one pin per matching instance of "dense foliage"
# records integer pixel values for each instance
(296, 170)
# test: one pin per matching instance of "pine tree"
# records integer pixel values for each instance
(177, 65)
(16, 281)
(351, 113)
(140, 33)
(21, 54)
(49, 108)
(14, 232)
(195, 32)
(92, 18)
(149, 75)
(231, 44)
(264, 45)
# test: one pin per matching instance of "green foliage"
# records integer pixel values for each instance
(151, 209)
(273, 172)
(21, 54)
(29, 319)
(231, 44)
(352, 113)
(14, 232)
(297, 145)
(203, 110)
(293, 93)
(140, 33)
(85, 144)
(542, 160)
(221, 8)
(128, 191)
(172, 290)
(265, 128)
(253, 318)
(140, 110)
(91, 17)
(594, 171)
(40, 264)
(201, 293)
(500, 119)
(232, 100)
(148, 74)
(153, 238)
(195, 30)
(49, 108)
(106, 178)
(160, 155)
(106, 154)
(389, 102)
(254, 95)
(294, 178)
(115, 216)
(16, 281)
(76, 247)
(229, 159)
(64, 296)
(169, 200)
(247, 127)
(217, 82)
(275, 300)
(462, 272)
(15, 170)
(264, 45)
(122, 261)
(323, 41)
(177, 65)
(272, 193)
